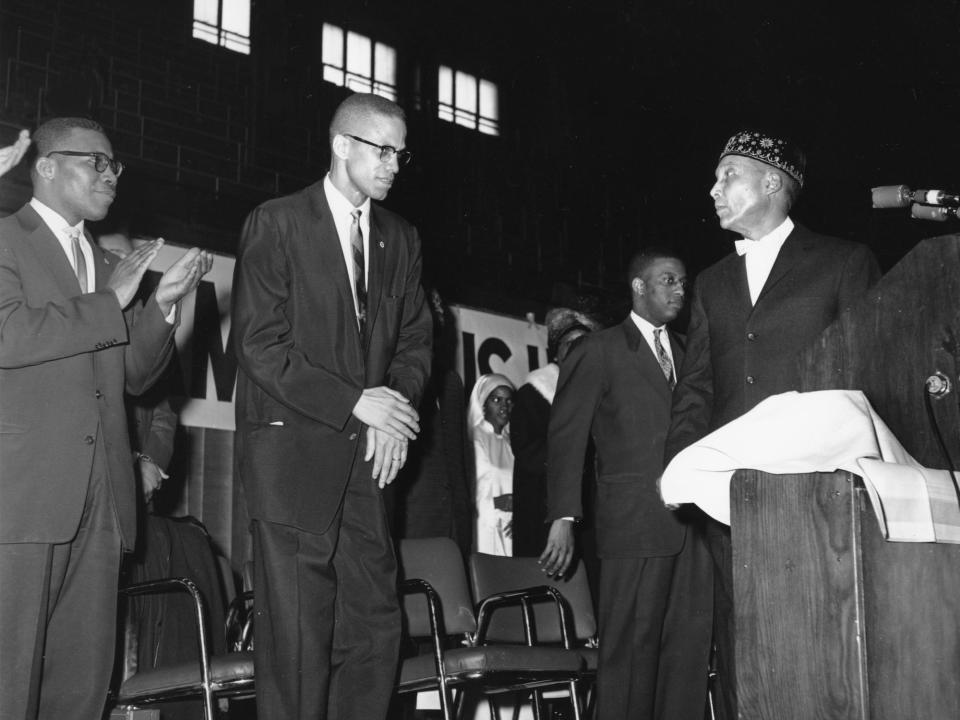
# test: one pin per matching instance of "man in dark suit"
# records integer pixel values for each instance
(67, 352)
(332, 337)
(655, 589)
(752, 313)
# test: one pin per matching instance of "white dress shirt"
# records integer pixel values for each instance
(62, 230)
(646, 329)
(343, 219)
(761, 255)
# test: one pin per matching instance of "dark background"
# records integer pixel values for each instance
(612, 116)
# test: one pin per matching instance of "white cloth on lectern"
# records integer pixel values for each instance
(789, 433)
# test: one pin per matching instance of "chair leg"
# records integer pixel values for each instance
(575, 699)
(537, 697)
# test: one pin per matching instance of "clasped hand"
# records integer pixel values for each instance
(392, 424)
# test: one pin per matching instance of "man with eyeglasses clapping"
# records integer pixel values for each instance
(69, 347)
(333, 342)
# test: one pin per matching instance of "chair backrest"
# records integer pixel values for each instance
(437, 561)
(492, 574)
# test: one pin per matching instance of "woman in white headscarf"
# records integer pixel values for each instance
(488, 419)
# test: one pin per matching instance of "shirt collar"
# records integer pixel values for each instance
(339, 205)
(775, 237)
(54, 220)
(643, 325)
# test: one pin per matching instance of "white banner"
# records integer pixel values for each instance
(206, 369)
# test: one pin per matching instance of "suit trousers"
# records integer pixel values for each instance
(655, 619)
(327, 614)
(58, 615)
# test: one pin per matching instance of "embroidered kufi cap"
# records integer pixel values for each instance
(778, 152)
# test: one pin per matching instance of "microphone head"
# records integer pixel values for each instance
(891, 196)
(929, 212)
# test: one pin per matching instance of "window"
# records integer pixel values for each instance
(357, 62)
(468, 101)
(223, 22)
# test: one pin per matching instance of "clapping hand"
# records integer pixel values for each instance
(12, 154)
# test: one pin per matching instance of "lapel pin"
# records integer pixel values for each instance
(381, 243)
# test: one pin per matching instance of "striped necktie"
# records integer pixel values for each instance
(663, 358)
(79, 262)
(359, 272)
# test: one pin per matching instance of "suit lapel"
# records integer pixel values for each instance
(329, 251)
(102, 267)
(787, 259)
(377, 250)
(647, 364)
(49, 250)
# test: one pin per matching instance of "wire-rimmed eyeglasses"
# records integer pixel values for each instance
(387, 152)
(101, 161)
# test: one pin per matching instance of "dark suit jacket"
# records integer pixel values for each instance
(529, 421)
(739, 354)
(611, 387)
(65, 360)
(302, 366)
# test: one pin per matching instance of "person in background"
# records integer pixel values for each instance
(528, 432)
(752, 314)
(333, 344)
(69, 347)
(488, 420)
(433, 489)
(150, 417)
(656, 590)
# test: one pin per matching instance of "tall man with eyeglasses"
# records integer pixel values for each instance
(333, 341)
(655, 594)
(68, 351)
(752, 314)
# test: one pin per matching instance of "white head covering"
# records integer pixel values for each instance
(485, 385)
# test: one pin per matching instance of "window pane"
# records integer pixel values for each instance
(488, 100)
(466, 92)
(205, 11)
(333, 75)
(445, 86)
(238, 43)
(385, 64)
(358, 84)
(202, 31)
(358, 54)
(332, 48)
(236, 16)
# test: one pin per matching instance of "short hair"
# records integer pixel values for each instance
(645, 258)
(791, 190)
(360, 107)
(50, 134)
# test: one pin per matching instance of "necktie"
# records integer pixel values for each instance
(744, 246)
(78, 260)
(663, 358)
(359, 279)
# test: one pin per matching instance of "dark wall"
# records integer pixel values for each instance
(612, 116)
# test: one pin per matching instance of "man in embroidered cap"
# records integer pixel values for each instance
(752, 313)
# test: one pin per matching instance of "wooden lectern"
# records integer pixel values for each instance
(834, 622)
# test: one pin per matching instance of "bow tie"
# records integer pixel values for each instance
(745, 246)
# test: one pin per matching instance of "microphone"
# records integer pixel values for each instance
(889, 196)
(933, 212)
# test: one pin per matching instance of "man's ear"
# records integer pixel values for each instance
(638, 286)
(773, 182)
(46, 167)
(340, 146)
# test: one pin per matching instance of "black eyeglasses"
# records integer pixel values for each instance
(387, 152)
(101, 161)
